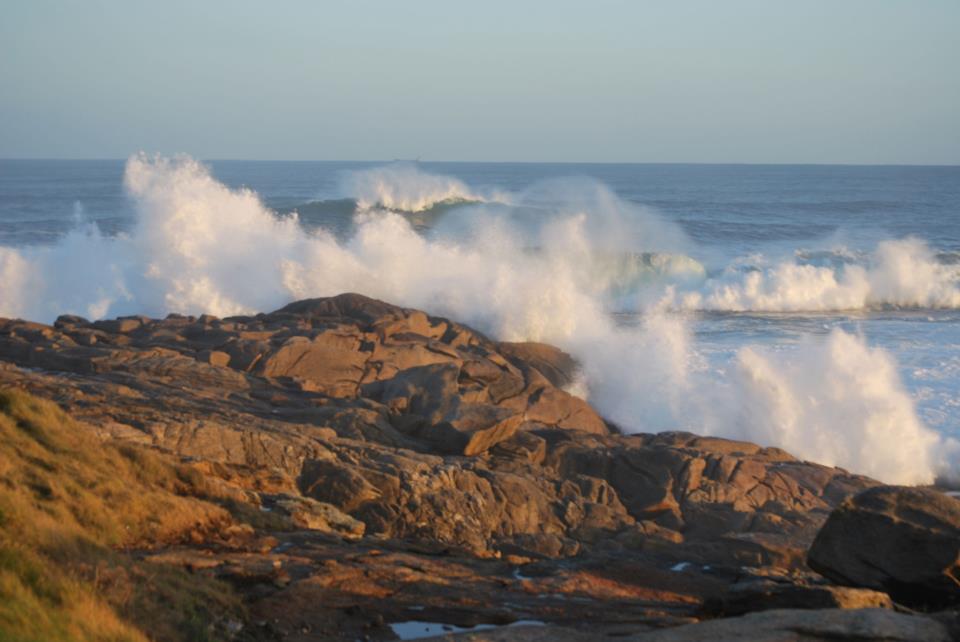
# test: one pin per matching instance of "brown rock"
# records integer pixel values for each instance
(556, 366)
(214, 358)
(762, 595)
(455, 453)
(475, 428)
(336, 483)
(905, 541)
(311, 514)
(122, 325)
(522, 446)
(332, 361)
(803, 626)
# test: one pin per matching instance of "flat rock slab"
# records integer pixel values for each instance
(764, 595)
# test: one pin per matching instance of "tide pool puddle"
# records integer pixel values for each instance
(415, 629)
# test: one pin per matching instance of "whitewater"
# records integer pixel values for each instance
(837, 342)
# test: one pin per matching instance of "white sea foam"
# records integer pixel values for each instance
(901, 273)
(403, 187)
(838, 402)
(200, 247)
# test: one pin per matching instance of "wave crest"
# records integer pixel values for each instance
(901, 273)
(402, 187)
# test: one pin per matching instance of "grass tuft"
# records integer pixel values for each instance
(70, 505)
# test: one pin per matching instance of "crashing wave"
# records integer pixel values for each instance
(198, 246)
(902, 273)
(402, 187)
(626, 272)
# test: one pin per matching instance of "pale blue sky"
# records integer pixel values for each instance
(822, 81)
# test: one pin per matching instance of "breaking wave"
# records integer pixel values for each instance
(903, 273)
(402, 187)
(550, 268)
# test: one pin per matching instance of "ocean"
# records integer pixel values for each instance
(814, 308)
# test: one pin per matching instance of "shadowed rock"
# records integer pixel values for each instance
(764, 595)
(905, 541)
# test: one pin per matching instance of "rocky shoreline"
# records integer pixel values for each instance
(382, 467)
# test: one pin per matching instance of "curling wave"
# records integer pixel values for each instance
(402, 187)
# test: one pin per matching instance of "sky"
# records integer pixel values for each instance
(739, 81)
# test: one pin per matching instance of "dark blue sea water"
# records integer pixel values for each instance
(761, 257)
(746, 206)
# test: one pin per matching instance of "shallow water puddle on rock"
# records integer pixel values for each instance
(415, 629)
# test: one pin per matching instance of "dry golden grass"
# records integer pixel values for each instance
(69, 506)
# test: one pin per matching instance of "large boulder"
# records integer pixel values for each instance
(905, 541)
(734, 502)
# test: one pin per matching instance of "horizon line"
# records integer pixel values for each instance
(490, 162)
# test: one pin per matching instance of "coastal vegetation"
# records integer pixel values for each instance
(73, 511)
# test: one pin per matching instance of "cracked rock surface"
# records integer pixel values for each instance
(428, 473)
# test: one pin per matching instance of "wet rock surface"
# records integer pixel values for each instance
(404, 467)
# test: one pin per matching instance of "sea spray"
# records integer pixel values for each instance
(15, 280)
(404, 188)
(198, 247)
(901, 273)
(835, 401)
